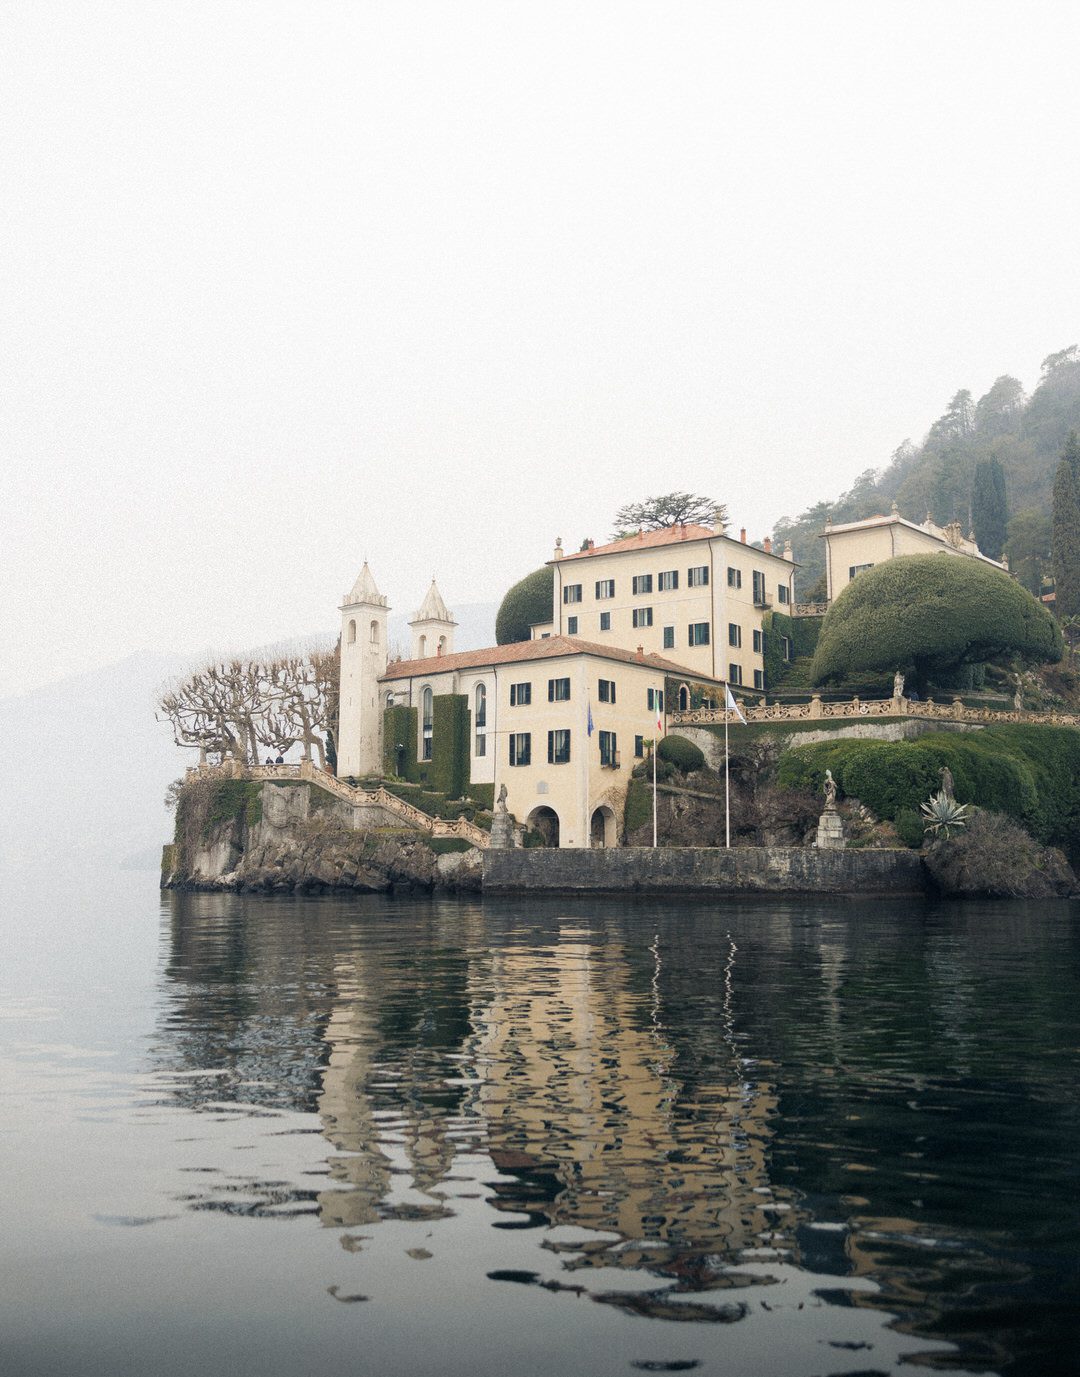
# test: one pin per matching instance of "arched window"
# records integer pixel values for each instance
(390, 698)
(427, 710)
(352, 632)
(423, 648)
(442, 646)
(684, 698)
(374, 634)
(480, 723)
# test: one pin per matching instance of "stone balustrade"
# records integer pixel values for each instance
(308, 772)
(809, 609)
(858, 708)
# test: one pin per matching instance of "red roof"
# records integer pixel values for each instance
(550, 648)
(644, 540)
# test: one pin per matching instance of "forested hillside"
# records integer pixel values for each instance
(1024, 434)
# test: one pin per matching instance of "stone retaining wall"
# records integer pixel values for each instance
(672, 870)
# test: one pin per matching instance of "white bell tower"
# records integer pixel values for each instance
(432, 627)
(363, 660)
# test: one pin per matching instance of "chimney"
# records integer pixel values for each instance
(787, 551)
(558, 549)
(641, 652)
(742, 535)
(767, 545)
(682, 530)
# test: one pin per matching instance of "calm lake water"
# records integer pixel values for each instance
(292, 1136)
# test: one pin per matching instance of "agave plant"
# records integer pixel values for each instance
(942, 814)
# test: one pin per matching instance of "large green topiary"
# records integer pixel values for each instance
(681, 753)
(530, 600)
(932, 613)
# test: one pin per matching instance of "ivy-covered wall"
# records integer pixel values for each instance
(450, 726)
(400, 726)
(803, 632)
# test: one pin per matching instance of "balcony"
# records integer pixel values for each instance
(609, 760)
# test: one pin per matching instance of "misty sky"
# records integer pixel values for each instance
(288, 285)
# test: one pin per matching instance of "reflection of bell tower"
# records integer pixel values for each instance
(432, 627)
(363, 660)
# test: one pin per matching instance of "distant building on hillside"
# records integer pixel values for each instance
(859, 545)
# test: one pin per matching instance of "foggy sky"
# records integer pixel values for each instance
(285, 286)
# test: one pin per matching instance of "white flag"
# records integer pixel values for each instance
(732, 705)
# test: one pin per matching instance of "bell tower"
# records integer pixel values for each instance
(363, 659)
(432, 627)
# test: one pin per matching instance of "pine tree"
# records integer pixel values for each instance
(989, 507)
(1066, 522)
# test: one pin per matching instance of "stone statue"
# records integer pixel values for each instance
(502, 799)
(830, 830)
(947, 785)
(830, 792)
(898, 685)
(1018, 701)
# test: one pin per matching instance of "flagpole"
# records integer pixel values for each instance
(654, 745)
(727, 782)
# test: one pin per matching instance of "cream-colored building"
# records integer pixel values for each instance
(859, 545)
(688, 592)
(560, 722)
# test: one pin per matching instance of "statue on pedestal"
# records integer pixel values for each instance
(898, 685)
(947, 785)
(830, 792)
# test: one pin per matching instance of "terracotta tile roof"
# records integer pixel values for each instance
(667, 535)
(644, 540)
(522, 652)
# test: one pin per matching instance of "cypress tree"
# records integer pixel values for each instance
(1066, 530)
(989, 507)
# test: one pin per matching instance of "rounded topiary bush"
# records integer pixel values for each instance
(530, 600)
(681, 753)
(909, 827)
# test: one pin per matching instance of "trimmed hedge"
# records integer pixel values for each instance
(449, 773)
(483, 794)
(530, 600)
(681, 753)
(638, 806)
(933, 613)
(1031, 773)
(400, 726)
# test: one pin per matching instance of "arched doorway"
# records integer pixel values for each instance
(602, 828)
(545, 821)
(684, 698)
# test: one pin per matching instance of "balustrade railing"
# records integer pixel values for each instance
(861, 708)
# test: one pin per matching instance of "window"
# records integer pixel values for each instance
(759, 643)
(352, 631)
(520, 695)
(734, 674)
(782, 593)
(642, 584)
(481, 744)
(520, 748)
(759, 588)
(785, 649)
(669, 581)
(699, 633)
(734, 577)
(427, 705)
(669, 638)
(481, 706)
(639, 747)
(559, 747)
(605, 588)
(699, 577)
(858, 569)
(373, 633)
(605, 621)
(759, 678)
(654, 700)
(571, 593)
(571, 626)
(643, 616)
(558, 690)
(734, 634)
(606, 690)
(609, 754)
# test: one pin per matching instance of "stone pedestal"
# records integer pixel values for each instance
(830, 831)
(502, 830)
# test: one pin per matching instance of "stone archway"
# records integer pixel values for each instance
(684, 697)
(603, 830)
(545, 821)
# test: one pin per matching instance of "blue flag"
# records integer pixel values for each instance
(588, 722)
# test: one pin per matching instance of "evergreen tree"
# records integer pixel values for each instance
(989, 507)
(1066, 533)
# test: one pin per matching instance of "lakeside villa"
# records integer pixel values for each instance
(558, 721)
